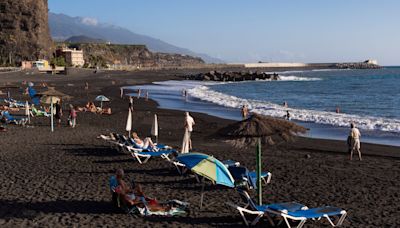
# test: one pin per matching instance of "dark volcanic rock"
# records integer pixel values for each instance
(24, 31)
(232, 76)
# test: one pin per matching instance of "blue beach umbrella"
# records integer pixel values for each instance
(207, 167)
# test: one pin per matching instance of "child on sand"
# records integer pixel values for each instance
(72, 116)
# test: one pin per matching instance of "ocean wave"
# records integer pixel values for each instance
(172, 85)
(321, 117)
(297, 78)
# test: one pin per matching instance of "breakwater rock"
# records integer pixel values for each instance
(232, 76)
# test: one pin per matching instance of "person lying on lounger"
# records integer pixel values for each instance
(36, 112)
(147, 143)
(134, 195)
(105, 111)
(91, 107)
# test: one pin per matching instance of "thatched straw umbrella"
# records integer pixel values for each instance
(257, 130)
(52, 93)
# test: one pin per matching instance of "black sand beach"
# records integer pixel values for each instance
(60, 179)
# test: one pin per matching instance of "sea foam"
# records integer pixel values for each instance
(204, 93)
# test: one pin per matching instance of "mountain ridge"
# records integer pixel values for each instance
(63, 27)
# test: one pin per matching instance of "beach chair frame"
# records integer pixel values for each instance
(144, 158)
(285, 215)
(243, 211)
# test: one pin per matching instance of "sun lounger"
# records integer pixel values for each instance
(287, 211)
(144, 156)
(133, 146)
(229, 163)
(38, 113)
(176, 207)
(13, 120)
(118, 142)
(14, 103)
(241, 173)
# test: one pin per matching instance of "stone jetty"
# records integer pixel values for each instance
(232, 76)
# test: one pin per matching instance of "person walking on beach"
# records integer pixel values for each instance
(58, 113)
(188, 125)
(337, 109)
(285, 104)
(355, 141)
(245, 112)
(287, 115)
(72, 116)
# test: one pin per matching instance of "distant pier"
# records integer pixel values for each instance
(368, 64)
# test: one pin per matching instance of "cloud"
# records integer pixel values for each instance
(90, 21)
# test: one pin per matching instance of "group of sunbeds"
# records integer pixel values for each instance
(11, 105)
(142, 153)
(288, 212)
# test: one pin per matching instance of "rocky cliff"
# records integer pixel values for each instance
(24, 31)
(137, 56)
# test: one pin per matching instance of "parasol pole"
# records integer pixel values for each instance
(27, 111)
(51, 113)
(101, 104)
(202, 194)
(258, 171)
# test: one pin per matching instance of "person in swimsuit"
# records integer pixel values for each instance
(146, 143)
(134, 195)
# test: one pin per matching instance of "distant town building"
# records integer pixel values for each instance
(26, 65)
(72, 57)
(41, 64)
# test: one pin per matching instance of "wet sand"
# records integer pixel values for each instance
(61, 178)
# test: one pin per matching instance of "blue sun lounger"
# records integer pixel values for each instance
(288, 211)
(13, 120)
(143, 157)
(134, 146)
(241, 173)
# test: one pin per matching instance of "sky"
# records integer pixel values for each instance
(258, 30)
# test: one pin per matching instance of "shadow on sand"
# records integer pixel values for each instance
(14, 209)
(26, 210)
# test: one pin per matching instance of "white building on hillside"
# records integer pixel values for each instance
(73, 57)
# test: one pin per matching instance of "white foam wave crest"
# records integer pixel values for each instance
(321, 117)
(172, 85)
(297, 78)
